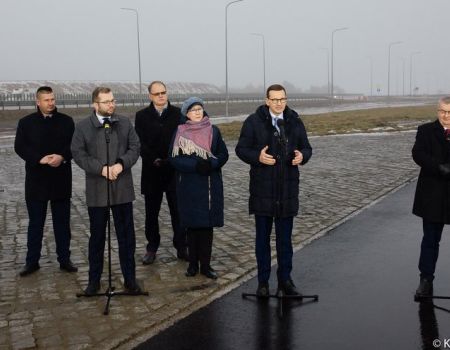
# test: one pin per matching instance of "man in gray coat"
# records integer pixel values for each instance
(89, 150)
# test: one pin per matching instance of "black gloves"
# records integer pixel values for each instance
(203, 167)
(158, 162)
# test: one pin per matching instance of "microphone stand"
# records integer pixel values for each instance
(280, 295)
(110, 291)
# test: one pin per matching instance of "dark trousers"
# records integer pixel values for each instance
(200, 246)
(124, 225)
(283, 233)
(152, 208)
(429, 249)
(37, 212)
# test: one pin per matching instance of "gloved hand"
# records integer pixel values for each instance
(158, 163)
(203, 167)
(444, 170)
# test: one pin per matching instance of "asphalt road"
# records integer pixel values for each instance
(365, 272)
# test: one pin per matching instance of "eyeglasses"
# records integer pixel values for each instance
(278, 100)
(112, 102)
(444, 112)
(162, 93)
(196, 110)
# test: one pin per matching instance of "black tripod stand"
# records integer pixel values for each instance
(281, 297)
(429, 297)
(110, 291)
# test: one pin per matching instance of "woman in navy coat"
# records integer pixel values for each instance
(198, 153)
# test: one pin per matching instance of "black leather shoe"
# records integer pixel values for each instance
(29, 269)
(288, 288)
(191, 271)
(209, 273)
(425, 289)
(149, 258)
(262, 290)
(182, 254)
(68, 266)
(133, 287)
(92, 288)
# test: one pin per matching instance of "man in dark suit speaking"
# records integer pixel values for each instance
(274, 142)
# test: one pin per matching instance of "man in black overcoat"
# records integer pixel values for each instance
(431, 152)
(43, 140)
(274, 142)
(155, 126)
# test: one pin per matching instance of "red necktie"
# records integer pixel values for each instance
(447, 134)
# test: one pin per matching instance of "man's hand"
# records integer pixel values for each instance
(44, 160)
(55, 160)
(298, 157)
(266, 158)
(115, 170)
(106, 171)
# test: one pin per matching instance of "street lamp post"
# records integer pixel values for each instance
(264, 57)
(411, 70)
(332, 60)
(138, 47)
(227, 98)
(328, 68)
(371, 76)
(389, 66)
(403, 78)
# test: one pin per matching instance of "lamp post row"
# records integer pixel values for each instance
(330, 86)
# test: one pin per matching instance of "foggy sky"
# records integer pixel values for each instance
(184, 40)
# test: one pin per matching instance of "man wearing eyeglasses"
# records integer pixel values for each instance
(274, 142)
(102, 129)
(431, 152)
(155, 126)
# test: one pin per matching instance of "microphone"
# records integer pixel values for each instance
(107, 126)
(280, 124)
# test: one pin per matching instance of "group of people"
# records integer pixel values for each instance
(182, 156)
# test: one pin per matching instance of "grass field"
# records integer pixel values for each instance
(367, 120)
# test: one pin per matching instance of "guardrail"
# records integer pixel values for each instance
(26, 101)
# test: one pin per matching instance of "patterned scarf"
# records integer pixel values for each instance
(194, 138)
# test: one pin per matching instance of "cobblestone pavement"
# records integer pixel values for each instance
(345, 174)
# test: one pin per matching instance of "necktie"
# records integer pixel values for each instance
(274, 123)
(447, 134)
